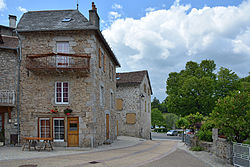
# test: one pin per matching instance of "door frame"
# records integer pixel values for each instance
(68, 121)
(107, 133)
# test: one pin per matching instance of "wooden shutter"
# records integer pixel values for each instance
(119, 103)
(100, 58)
(104, 63)
(131, 118)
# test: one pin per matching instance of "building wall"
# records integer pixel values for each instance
(38, 89)
(8, 82)
(134, 103)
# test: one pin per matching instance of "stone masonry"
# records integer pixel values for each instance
(136, 98)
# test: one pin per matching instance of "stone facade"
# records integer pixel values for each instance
(136, 100)
(8, 85)
(38, 88)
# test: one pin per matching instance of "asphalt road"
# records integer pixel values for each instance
(163, 136)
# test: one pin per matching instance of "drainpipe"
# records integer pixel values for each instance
(18, 84)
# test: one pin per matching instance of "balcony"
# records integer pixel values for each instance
(58, 62)
(7, 98)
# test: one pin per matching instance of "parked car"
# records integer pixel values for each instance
(172, 133)
(188, 131)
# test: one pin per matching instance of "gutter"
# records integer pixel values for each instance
(19, 50)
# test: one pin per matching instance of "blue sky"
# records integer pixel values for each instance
(162, 35)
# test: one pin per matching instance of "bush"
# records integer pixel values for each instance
(196, 148)
(205, 135)
(161, 130)
(246, 141)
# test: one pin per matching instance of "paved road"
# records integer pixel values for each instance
(163, 136)
(147, 154)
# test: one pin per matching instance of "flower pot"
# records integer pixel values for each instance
(68, 114)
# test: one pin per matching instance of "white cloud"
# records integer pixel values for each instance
(116, 6)
(22, 9)
(2, 5)
(114, 15)
(150, 9)
(164, 40)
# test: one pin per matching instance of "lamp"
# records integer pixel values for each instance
(142, 96)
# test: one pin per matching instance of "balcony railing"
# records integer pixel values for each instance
(58, 62)
(7, 98)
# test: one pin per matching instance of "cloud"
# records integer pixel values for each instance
(164, 40)
(2, 5)
(116, 6)
(22, 9)
(150, 9)
(114, 15)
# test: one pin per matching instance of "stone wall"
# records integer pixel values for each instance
(222, 148)
(84, 91)
(8, 82)
(134, 103)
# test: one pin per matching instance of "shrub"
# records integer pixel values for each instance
(205, 135)
(196, 148)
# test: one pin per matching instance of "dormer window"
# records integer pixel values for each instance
(67, 19)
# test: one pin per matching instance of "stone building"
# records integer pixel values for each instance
(67, 66)
(133, 103)
(8, 82)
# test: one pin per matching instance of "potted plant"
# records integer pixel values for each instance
(67, 111)
(55, 110)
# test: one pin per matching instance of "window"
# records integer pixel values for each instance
(102, 95)
(1, 122)
(58, 132)
(145, 106)
(149, 92)
(111, 100)
(62, 47)
(119, 104)
(148, 107)
(145, 88)
(62, 93)
(44, 127)
(131, 118)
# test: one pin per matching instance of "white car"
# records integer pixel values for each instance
(172, 133)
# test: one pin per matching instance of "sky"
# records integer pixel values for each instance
(162, 35)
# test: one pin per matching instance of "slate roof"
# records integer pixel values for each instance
(8, 42)
(132, 78)
(53, 20)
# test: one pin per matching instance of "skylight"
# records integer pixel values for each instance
(67, 19)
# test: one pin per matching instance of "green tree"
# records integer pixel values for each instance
(227, 81)
(155, 103)
(232, 114)
(182, 123)
(156, 117)
(171, 120)
(192, 90)
(194, 120)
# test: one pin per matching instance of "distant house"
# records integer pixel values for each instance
(133, 104)
(67, 65)
(8, 82)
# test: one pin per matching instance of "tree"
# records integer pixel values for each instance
(192, 90)
(232, 114)
(155, 103)
(156, 117)
(182, 123)
(194, 120)
(171, 120)
(227, 82)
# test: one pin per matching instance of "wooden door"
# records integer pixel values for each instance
(107, 126)
(73, 132)
(1, 121)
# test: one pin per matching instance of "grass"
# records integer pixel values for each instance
(196, 148)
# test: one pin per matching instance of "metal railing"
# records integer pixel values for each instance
(241, 155)
(58, 61)
(7, 97)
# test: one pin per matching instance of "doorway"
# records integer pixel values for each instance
(73, 132)
(107, 126)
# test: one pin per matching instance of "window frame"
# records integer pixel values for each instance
(39, 122)
(62, 61)
(56, 140)
(62, 97)
(111, 99)
(102, 92)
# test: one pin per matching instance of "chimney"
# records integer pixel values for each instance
(12, 21)
(93, 16)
